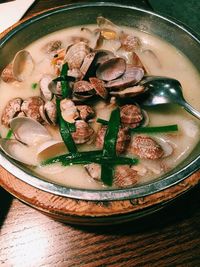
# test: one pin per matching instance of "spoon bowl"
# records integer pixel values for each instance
(163, 90)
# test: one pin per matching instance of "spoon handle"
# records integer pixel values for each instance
(191, 110)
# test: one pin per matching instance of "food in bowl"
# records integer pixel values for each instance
(69, 107)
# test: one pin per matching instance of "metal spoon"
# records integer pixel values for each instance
(164, 90)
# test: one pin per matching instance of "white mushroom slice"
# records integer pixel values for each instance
(44, 87)
(19, 151)
(29, 131)
(22, 65)
(68, 110)
(51, 149)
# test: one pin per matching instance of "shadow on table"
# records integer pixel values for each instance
(5, 203)
(176, 213)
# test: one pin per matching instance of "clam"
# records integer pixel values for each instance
(130, 42)
(131, 115)
(20, 68)
(22, 65)
(108, 28)
(29, 131)
(76, 54)
(131, 76)
(95, 36)
(129, 92)
(83, 89)
(99, 87)
(48, 112)
(52, 46)
(125, 176)
(103, 56)
(94, 170)
(11, 110)
(87, 63)
(50, 149)
(85, 112)
(68, 110)
(55, 88)
(18, 151)
(111, 69)
(83, 132)
(31, 106)
(147, 147)
(44, 87)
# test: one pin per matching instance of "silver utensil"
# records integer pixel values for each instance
(164, 90)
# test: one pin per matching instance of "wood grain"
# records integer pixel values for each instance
(171, 237)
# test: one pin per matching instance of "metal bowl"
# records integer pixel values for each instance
(173, 32)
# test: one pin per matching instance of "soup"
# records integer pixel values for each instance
(72, 102)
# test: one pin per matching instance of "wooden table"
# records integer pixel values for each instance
(170, 237)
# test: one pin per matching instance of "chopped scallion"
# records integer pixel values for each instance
(9, 134)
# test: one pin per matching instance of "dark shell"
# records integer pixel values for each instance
(83, 132)
(123, 139)
(7, 74)
(131, 115)
(146, 147)
(99, 87)
(111, 69)
(131, 76)
(125, 176)
(11, 110)
(31, 107)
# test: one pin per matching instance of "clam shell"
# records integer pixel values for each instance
(131, 115)
(22, 65)
(68, 110)
(131, 76)
(29, 131)
(111, 69)
(44, 87)
(129, 92)
(51, 149)
(83, 132)
(76, 54)
(48, 112)
(12, 108)
(18, 151)
(99, 87)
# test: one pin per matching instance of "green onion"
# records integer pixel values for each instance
(107, 174)
(109, 146)
(110, 140)
(155, 129)
(34, 86)
(89, 157)
(9, 134)
(66, 92)
(150, 129)
(104, 122)
(65, 130)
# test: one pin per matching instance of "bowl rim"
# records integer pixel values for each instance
(95, 194)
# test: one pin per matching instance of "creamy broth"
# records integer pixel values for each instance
(172, 63)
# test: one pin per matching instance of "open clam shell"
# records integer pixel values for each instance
(18, 151)
(29, 131)
(22, 65)
(50, 149)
